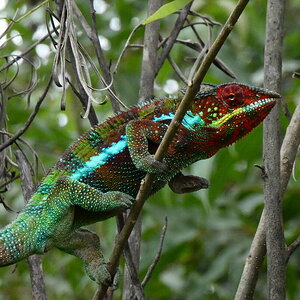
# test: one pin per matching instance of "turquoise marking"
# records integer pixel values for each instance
(170, 116)
(100, 159)
(190, 120)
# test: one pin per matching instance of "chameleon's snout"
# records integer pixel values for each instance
(270, 94)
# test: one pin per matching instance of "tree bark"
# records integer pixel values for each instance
(272, 184)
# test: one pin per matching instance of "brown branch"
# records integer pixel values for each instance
(177, 70)
(172, 37)
(275, 184)
(292, 248)
(217, 62)
(150, 54)
(132, 288)
(258, 248)
(187, 99)
(289, 149)
(34, 261)
(272, 191)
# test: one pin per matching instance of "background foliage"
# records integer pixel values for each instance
(209, 232)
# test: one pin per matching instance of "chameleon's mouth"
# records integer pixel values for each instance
(259, 106)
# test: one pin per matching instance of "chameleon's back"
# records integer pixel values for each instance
(101, 159)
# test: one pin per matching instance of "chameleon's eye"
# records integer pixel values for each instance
(233, 95)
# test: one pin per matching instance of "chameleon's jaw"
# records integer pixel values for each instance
(259, 109)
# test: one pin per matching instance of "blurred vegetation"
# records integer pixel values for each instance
(209, 232)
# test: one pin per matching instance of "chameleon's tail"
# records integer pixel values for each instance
(19, 239)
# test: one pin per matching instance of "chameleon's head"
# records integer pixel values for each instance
(233, 110)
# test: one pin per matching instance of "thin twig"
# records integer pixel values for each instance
(158, 254)
(292, 248)
(9, 182)
(32, 151)
(177, 70)
(207, 19)
(217, 62)
(173, 36)
(30, 119)
(25, 52)
(125, 47)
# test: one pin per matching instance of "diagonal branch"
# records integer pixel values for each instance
(172, 37)
(192, 90)
(157, 256)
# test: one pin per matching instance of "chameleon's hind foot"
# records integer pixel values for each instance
(100, 274)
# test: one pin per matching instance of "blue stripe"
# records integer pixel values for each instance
(100, 159)
(190, 121)
(170, 116)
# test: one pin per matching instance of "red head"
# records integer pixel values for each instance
(233, 110)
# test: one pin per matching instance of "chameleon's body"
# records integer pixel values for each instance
(99, 175)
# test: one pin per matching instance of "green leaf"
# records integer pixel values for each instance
(166, 10)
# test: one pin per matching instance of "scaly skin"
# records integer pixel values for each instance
(100, 174)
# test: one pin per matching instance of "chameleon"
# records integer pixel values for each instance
(99, 175)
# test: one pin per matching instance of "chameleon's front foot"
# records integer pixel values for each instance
(118, 200)
(150, 165)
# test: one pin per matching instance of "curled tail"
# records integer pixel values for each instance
(20, 239)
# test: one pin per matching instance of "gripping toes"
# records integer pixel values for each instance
(150, 165)
(101, 275)
(120, 200)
